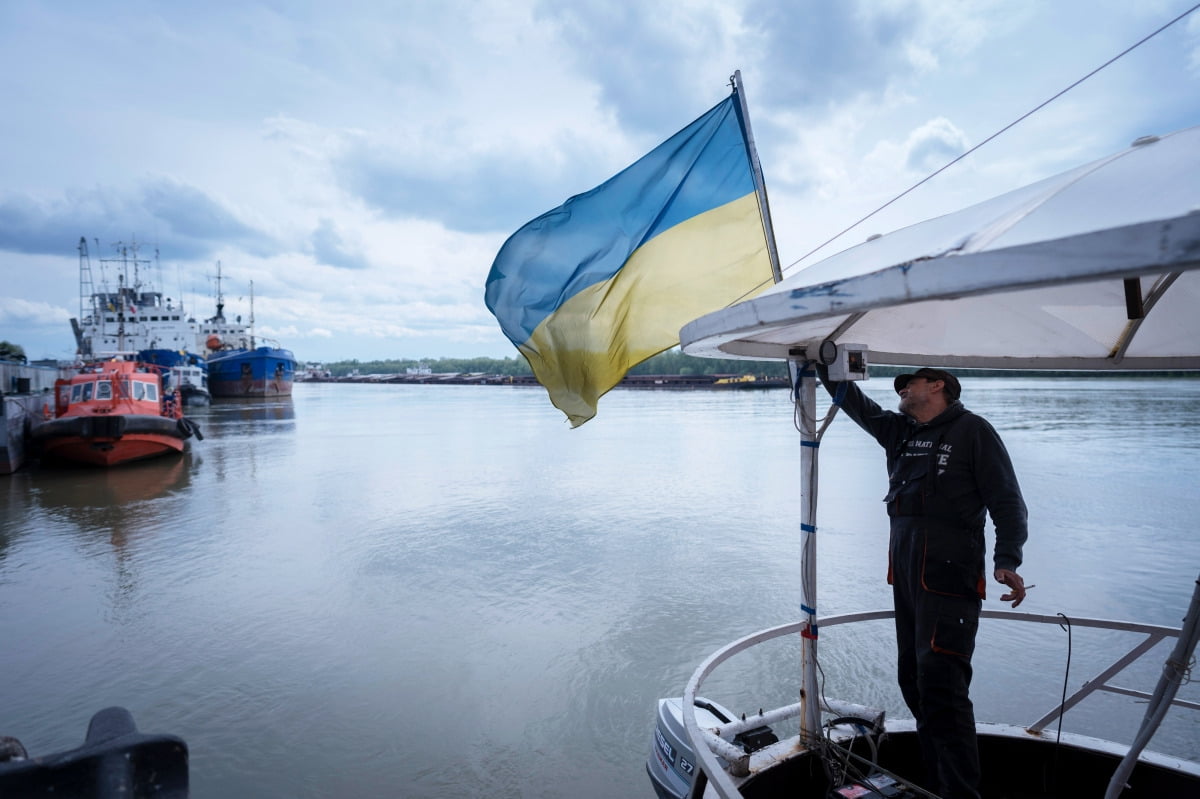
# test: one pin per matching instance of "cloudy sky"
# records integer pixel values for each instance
(362, 162)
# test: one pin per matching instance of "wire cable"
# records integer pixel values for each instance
(1065, 625)
(910, 785)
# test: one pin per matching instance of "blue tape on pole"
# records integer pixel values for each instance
(808, 610)
(810, 443)
(808, 528)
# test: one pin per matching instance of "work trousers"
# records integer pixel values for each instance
(935, 638)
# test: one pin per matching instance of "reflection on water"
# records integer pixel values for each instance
(109, 514)
(246, 432)
(406, 590)
(253, 413)
(115, 503)
(110, 493)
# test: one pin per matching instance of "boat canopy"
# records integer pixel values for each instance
(1097, 268)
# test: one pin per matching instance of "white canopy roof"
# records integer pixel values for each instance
(1044, 277)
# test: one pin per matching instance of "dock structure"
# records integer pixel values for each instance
(26, 399)
(18, 415)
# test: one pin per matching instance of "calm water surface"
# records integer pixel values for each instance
(443, 591)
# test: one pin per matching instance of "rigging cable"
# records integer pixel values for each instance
(1012, 124)
(824, 422)
(1065, 625)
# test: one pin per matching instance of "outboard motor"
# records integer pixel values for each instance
(672, 762)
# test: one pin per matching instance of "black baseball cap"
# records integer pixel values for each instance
(952, 387)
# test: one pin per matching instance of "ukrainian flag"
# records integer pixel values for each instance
(607, 279)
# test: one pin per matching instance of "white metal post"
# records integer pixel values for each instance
(805, 382)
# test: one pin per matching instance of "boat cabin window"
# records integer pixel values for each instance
(76, 392)
(104, 389)
(145, 391)
(87, 391)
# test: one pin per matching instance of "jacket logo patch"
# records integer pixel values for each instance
(943, 457)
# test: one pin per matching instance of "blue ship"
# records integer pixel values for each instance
(264, 371)
(238, 365)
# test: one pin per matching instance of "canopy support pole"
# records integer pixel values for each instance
(1174, 670)
(1137, 309)
(804, 382)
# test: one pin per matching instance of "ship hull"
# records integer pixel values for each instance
(261, 372)
(109, 441)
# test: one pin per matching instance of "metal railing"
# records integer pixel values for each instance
(709, 745)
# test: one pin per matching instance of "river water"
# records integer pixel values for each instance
(443, 591)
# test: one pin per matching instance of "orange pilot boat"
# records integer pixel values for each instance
(113, 412)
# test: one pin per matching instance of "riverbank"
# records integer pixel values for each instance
(714, 381)
(719, 382)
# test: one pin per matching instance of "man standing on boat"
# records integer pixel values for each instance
(947, 468)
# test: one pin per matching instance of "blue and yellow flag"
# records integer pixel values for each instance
(607, 279)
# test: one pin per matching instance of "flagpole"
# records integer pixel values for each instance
(760, 186)
(804, 394)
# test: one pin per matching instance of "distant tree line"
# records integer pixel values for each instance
(11, 352)
(675, 362)
(671, 362)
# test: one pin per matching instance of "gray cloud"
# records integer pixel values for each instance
(822, 53)
(162, 208)
(329, 248)
(645, 65)
(470, 195)
(193, 217)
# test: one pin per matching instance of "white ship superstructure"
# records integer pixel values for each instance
(132, 317)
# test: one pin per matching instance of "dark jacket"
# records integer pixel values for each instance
(948, 473)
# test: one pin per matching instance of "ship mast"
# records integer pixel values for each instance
(127, 294)
(252, 345)
(220, 317)
(86, 289)
(87, 294)
(121, 312)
